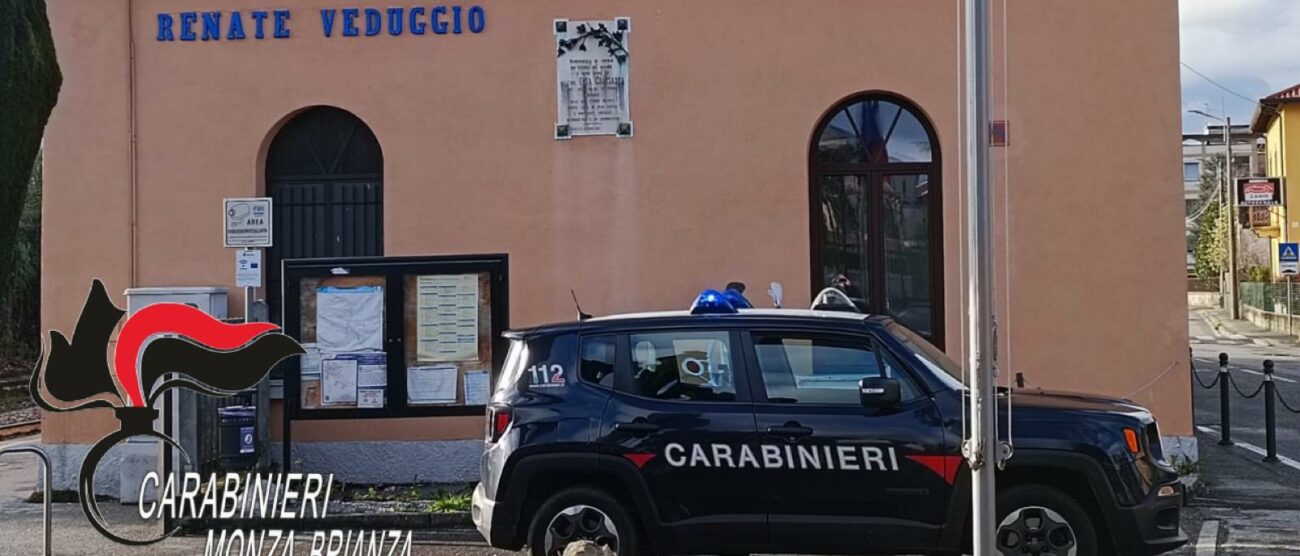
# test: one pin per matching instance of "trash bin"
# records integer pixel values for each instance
(238, 426)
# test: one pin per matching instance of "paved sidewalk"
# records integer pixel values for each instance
(1225, 330)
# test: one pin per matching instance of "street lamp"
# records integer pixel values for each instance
(1230, 199)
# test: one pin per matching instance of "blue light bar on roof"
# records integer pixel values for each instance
(737, 299)
(712, 302)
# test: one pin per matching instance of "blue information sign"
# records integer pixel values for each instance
(1288, 257)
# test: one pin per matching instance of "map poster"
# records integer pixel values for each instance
(338, 381)
(591, 70)
(349, 318)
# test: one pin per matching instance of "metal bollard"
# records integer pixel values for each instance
(49, 481)
(1270, 417)
(1225, 413)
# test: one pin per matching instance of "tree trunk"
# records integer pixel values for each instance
(29, 87)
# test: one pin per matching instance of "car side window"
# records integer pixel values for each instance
(690, 365)
(822, 369)
(597, 363)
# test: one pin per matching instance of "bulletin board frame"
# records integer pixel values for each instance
(393, 272)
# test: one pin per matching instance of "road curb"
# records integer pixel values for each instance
(404, 521)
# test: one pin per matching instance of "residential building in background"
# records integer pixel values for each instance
(1198, 151)
(1277, 117)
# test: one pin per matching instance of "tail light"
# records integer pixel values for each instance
(499, 418)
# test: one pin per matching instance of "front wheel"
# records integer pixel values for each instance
(585, 516)
(1041, 520)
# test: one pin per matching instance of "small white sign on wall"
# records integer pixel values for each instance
(591, 76)
(248, 268)
(247, 222)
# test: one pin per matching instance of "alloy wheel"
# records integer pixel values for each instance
(1036, 530)
(580, 523)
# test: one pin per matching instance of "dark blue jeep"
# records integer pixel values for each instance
(723, 430)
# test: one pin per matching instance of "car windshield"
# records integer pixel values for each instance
(943, 366)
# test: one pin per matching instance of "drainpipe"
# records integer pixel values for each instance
(134, 196)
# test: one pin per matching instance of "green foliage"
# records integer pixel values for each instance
(1256, 273)
(1210, 235)
(448, 502)
(29, 86)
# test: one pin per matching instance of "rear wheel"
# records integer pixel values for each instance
(583, 514)
(1041, 520)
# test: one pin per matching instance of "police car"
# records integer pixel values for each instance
(726, 429)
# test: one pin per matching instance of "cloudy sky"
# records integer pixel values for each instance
(1249, 46)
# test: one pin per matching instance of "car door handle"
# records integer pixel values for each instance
(790, 431)
(636, 427)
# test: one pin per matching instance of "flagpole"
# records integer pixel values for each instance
(980, 447)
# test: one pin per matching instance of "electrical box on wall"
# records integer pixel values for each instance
(210, 300)
(178, 417)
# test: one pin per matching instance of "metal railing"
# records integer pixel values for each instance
(1226, 381)
(1272, 297)
(49, 480)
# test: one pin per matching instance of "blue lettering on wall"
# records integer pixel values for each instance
(394, 21)
(439, 26)
(327, 22)
(350, 21)
(281, 30)
(440, 19)
(211, 26)
(417, 21)
(187, 25)
(374, 22)
(259, 17)
(165, 27)
(236, 31)
(477, 19)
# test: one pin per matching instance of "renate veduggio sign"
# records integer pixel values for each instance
(239, 25)
(1259, 192)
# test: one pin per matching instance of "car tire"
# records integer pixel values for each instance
(583, 513)
(1038, 517)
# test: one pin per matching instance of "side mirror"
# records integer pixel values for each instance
(879, 392)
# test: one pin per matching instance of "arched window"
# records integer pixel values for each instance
(325, 174)
(876, 213)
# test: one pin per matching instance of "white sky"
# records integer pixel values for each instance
(1249, 46)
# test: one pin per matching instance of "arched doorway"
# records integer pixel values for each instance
(325, 174)
(876, 212)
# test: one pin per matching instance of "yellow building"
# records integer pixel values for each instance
(1278, 118)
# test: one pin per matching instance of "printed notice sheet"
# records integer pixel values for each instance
(350, 319)
(309, 362)
(370, 398)
(433, 384)
(476, 387)
(338, 381)
(372, 367)
(448, 317)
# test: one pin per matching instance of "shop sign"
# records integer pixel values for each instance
(236, 25)
(247, 222)
(591, 77)
(1258, 192)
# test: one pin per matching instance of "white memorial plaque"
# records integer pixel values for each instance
(591, 70)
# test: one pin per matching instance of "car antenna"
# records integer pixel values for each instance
(581, 315)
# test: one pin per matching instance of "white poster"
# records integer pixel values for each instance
(447, 317)
(591, 78)
(309, 363)
(434, 384)
(476, 388)
(350, 319)
(338, 381)
(370, 398)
